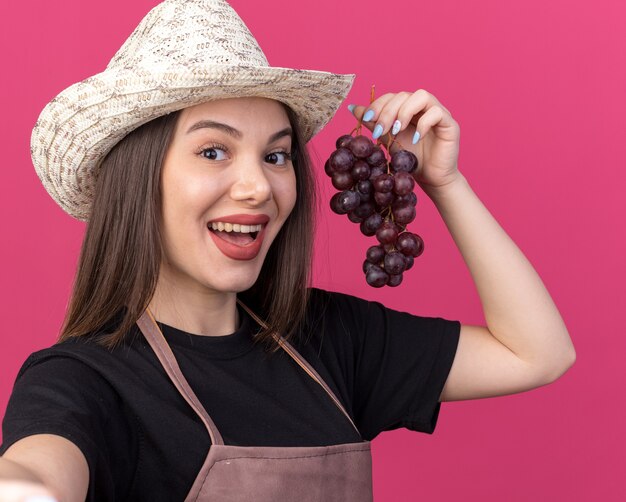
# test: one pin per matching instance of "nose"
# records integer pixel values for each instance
(251, 184)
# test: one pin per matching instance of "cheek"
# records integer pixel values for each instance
(188, 197)
(181, 212)
(286, 193)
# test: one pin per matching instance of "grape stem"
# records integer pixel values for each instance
(390, 142)
(358, 128)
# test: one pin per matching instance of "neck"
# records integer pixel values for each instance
(198, 311)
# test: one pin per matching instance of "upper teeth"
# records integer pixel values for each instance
(235, 227)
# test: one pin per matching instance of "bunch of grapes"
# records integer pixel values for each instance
(377, 193)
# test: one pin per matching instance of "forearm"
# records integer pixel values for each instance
(16, 472)
(47, 465)
(18, 482)
(518, 309)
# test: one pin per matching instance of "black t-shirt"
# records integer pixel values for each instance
(141, 439)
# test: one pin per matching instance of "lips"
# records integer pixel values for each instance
(232, 250)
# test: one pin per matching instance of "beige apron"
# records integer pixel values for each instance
(340, 472)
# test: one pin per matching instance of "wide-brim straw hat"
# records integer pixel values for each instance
(184, 52)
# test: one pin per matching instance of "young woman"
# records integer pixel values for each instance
(195, 362)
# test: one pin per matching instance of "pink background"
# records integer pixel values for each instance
(539, 90)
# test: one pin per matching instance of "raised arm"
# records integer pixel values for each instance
(43, 465)
(525, 343)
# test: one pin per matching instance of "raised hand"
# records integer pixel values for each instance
(420, 123)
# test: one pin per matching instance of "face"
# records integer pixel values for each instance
(228, 186)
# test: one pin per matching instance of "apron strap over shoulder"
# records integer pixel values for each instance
(295, 355)
(148, 326)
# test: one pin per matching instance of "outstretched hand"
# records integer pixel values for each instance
(419, 117)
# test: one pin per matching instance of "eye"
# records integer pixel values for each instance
(278, 158)
(213, 152)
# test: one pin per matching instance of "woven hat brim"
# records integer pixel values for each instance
(79, 127)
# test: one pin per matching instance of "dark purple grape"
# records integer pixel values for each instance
(354, 218)
(403, 213)
(366, 197)
(376, 276)
(375, 254)
(364, 210)
(420, 246)
(360, 171)
(387, 233)
(383, 199)
(410, 244)
(336, 205)
(341, 160)
(367, 265)
(377, 158)
(394, 263)
(376, 171)
(350, 200)
(342, 181)
(327, 168)
(411, 198)
(403, 160)
(343, 141)
(394, 280)
(406, 243)
(366, 190)
(409, 260)
(403, 183)
(365, 187)
(371, 224)
(383, 183)
(361, 146)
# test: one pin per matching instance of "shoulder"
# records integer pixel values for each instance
(339, 317)
(75, 382)
(63, 362)
(348, 310)
(80, 357)
(332, 302)
(53, 384)
(355, 319)
(70, 350)
(65, 390)
(324, 302)
(322, 295)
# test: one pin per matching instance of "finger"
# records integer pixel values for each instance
(361, 112)
(403, 109)
(416, 106)
(357, 111)
(432, 117)
(387, 116)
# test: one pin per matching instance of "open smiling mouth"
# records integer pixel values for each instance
(239, 242)
(240, 235)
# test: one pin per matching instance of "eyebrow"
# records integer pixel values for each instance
(235, 133)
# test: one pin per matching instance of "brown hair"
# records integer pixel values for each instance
(121, 252)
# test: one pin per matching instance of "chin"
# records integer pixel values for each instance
(233, 282)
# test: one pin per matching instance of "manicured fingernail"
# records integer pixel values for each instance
(369, 115)
(396, 127)
(378, 130)
(351, 108)
(416, 137)
(40, 498)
